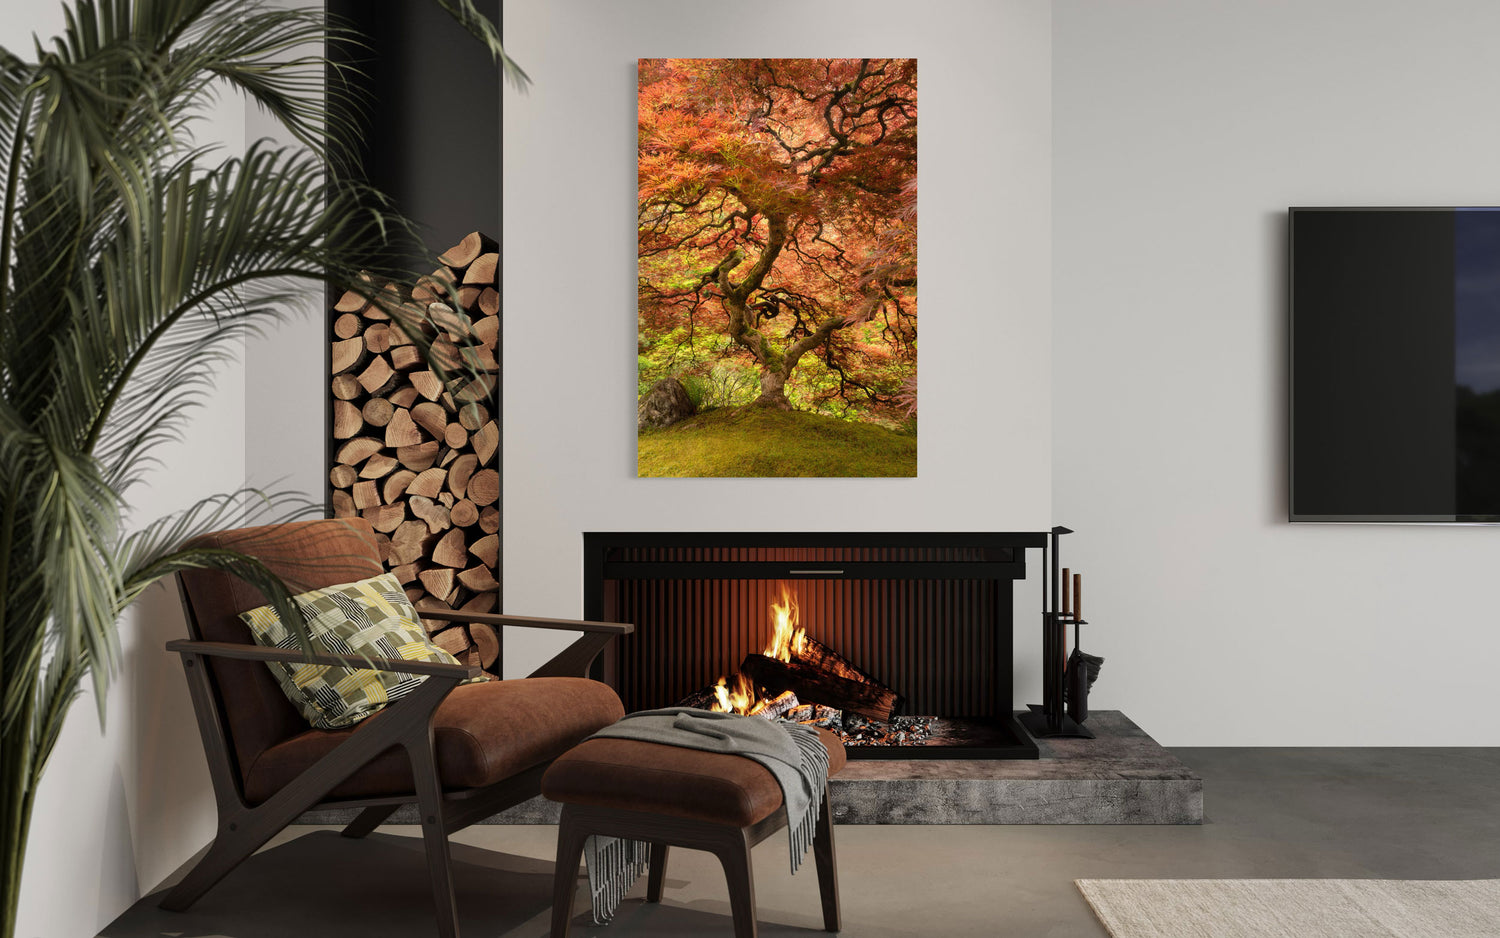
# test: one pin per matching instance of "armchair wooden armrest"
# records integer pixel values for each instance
(185, 646)
(572, 661)
(530, 622)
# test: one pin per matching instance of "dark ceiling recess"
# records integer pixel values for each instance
(432, 116)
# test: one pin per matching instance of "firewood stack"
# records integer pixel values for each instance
(414, 450)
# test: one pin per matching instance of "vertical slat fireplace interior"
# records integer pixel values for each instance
(927, 614)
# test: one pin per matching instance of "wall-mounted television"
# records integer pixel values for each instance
(1395, 365)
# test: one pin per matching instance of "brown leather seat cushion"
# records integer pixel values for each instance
(484, 733)
(659, 779)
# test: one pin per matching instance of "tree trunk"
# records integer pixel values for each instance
(772, 390)
(775, 366)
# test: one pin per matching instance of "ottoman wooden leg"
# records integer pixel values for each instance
(828, 867)
(734, 853)
(656, 876)
(570, 838)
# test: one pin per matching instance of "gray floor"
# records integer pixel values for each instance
(1336, 813)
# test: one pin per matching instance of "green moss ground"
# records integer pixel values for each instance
(746, 442)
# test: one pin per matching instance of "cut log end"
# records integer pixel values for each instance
(463, 253)
(414, 450)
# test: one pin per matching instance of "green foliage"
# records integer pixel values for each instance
(718, 374)
(729, 384)
(762, 442)
(702, 361)
(132, 263)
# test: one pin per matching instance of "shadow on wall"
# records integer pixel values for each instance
(168, 794)
(119, 881)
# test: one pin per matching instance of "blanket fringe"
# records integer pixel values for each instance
(614, 865)
(814, 773)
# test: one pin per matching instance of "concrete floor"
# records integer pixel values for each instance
(1295, 813)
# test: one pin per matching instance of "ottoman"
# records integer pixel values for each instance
(669, 796)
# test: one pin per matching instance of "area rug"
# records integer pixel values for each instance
(1295, 908)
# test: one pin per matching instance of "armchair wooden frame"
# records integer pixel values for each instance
(244, 828)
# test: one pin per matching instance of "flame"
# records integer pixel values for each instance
(788, 640)
(741, 698)
(737, 694)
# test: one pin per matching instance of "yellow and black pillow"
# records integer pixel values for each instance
(372, 618)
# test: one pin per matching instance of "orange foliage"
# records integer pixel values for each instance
(778, 206)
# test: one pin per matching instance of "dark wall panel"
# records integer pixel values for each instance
(433, 121)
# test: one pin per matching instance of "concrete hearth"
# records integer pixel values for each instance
(1121, 777)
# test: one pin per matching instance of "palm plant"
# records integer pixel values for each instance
(131, 262)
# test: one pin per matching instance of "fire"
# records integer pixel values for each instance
(742, 698)
(788, 639)
(738, 699)
(738, 694)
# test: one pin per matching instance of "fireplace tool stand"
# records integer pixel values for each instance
(1050, 719)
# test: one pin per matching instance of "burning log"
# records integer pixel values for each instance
(700, 699)
(714, 696)
(815, 654)
(811, 679)
(780, 706)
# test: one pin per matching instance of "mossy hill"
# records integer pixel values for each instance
(753, 441)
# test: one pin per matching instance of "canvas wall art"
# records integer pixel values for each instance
(777, 330)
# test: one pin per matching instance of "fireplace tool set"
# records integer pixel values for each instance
(1066, 678)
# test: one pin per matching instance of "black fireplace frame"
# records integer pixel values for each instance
(1004, 561)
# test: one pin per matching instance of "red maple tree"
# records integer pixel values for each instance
(778, 208)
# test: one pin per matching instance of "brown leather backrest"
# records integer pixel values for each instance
(306, 555)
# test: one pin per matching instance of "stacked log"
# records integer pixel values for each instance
(416, 436)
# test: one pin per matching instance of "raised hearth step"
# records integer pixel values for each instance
(1121, 777)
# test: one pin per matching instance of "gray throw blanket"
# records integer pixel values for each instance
(794, 754)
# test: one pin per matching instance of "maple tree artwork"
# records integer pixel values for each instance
(778, 267)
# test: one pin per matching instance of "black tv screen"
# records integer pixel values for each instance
(1395, 370)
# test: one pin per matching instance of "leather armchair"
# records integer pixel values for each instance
(460, 752)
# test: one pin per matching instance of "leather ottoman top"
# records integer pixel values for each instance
(658, 779)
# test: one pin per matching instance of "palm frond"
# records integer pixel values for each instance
(77, 527)
(274, 56)
(146, 554)
(157, 551)
(481, 27)
(132, 261)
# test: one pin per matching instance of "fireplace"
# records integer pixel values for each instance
(927, 615)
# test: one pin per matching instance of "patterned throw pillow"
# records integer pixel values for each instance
(371, 617)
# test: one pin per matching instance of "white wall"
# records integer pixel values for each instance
(1183, 129)
(121, 808)
(569, 280)
(286, 369)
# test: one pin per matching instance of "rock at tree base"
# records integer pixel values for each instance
(666, 403)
